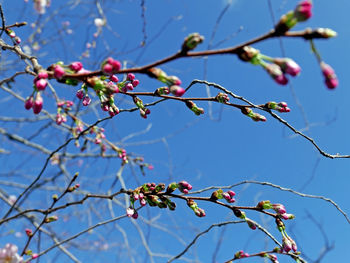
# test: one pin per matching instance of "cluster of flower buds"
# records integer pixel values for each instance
(222, 97)
(277, 68)
(193, 205)
(39, 84)
(241, 254)
(9, 254)
(62, 108)
(110, 66)
(40, 81)
(191, 42)
(330, 78)
(172, 82)
(220, 194)
(302, 12)
(254, 116)
(147, 194)
(280, 106)
(193, 107)
(36, 104)
(16, 40)
(143, 110)
(279, 209)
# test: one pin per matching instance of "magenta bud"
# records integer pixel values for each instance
(116, 65)
(107, 68)
(135, 82)
(86, 100)
(177, 90)
(129, 86)
(58, 72)
(80, 94)
(28, 104)
(43, 75)
(41, 84)
(76, 66)
(114, 78)
(38, 104)
(130, 76)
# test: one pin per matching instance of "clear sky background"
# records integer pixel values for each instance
(222, 147)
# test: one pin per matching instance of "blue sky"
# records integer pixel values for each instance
(219, 149)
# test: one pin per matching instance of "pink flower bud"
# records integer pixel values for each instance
(41, 84)
(107, 68)
(80, 94)
(114, 78)
(129, 86)
(231, 193)
(286, 244)
(288, 66)
(86, 100)
(76, 66)
(43, 75)
(34, 256)
(177, 90)
(38, 104)
(130, 76)
(135, 82)
(279, 208)
(331, 79)
(58, 72)
(28, 104)
(116, 65)
(303, 10)
(143, 202)
(276, 73)
(29, 232)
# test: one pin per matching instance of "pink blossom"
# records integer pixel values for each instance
(9, 254)
(130, 211)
